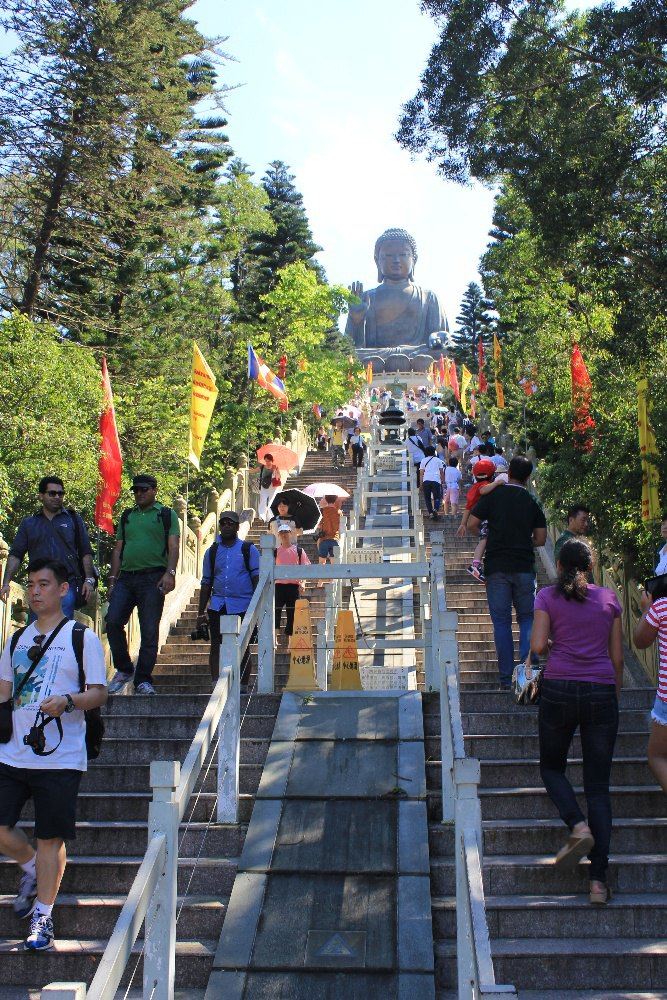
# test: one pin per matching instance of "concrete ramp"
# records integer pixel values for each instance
(332, 896)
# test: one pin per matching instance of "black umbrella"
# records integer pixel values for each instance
(347, 422)
(304, 510)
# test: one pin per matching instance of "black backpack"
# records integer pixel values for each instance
(164, 514)
(94, 722)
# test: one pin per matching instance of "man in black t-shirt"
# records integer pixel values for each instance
(516, 525)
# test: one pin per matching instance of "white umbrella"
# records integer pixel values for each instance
(325, 490)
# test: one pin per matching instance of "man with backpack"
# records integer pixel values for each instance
(143, 571)
(55, 532)
(52, 672)
(229, 578)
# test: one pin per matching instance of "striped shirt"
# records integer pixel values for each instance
(657, 617)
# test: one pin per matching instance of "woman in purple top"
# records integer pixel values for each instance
(582, 680)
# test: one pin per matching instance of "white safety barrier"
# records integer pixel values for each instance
(460, 800)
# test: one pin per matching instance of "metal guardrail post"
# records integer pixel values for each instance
(266, 655)
(160, 933)
(321, 641)
(229, 746)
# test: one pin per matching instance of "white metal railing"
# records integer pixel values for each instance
(460, 800)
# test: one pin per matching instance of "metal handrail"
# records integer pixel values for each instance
(460, 800)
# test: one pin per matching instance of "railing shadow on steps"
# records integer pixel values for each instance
(460, 801)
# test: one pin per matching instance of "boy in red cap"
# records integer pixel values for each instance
(483, 472)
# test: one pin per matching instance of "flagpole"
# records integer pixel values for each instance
(525, 429)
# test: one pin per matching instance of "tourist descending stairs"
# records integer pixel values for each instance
(113, 813)
(546, 938)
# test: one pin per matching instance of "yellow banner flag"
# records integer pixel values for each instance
(500, 396)
(648, 451)
(446, 381)
(202, 400)
(369, 373)
(466, 379)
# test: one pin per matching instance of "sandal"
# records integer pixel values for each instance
(577, 846)
(600, 893)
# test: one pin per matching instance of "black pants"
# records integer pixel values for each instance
(357, 456)
(214, 654)
(564, 706)
(135, 590)
(286, 597)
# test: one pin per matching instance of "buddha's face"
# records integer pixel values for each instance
(395, 259)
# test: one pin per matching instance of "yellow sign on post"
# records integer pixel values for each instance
(302, 657)
(204, 393)
(345, 674)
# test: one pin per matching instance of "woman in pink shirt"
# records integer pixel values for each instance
(287, 591)
(580, 687)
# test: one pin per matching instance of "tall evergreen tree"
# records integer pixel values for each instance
(291, 241)
(473, 324)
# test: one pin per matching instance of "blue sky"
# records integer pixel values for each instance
(321, 86)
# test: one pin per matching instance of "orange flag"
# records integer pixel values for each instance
(454, 380)
(583, 424)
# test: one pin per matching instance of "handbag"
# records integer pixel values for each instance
(275, 481)
(7, 707)
(527, 681)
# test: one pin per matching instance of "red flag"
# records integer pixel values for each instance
(482, 384)
(282, 367)
(111, 461)
(473, 405)
(583, 424)
(454, 380)
(441, 368)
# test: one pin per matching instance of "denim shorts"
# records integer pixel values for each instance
(659, 713)
(327, 548)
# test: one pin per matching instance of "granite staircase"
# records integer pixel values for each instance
(546, 938)
(113, 813)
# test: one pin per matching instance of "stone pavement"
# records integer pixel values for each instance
(332, 895)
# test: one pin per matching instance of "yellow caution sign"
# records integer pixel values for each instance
(345, 671)
(302, 657)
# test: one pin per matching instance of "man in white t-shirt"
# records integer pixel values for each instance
(51, 777)
(415, 448)
(432, 474)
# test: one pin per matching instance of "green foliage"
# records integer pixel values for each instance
(474, 323)
(50, 399)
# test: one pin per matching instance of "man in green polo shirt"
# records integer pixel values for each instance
(143, 570)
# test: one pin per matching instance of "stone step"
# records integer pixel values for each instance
(521, 773)
(90, 874)
(527, 874)
(630, 835)
(481, 724)
(178, 705)
(631, 915)
(123, 837)
(180, 727)
(503, 701)
(628, 744)
(69, 958)
(75, 916)
(588, 964)
(524, 803)
(128, 752)
(135, 778)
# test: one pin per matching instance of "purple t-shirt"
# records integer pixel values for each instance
(580, 633)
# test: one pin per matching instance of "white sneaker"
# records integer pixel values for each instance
(24, 903)
(145, 688)
(118, 681)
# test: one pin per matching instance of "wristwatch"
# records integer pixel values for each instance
(172, 572)
(70, 706)
(91, 581)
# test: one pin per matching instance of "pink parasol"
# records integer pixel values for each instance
(326, 490)
(283, 458)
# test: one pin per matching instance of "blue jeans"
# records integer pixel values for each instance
(432, 496)
(135, 590)
(502, 591)
(564, 706)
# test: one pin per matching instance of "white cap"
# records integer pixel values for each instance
(284, 527)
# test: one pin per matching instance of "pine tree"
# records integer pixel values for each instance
(473, 324)
(291, 241)
(101, 149)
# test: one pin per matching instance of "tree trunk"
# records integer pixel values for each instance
(43, 241)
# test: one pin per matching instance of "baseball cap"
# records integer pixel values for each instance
(230, 515)
(284, 527)
(144, 480)
(485, 467)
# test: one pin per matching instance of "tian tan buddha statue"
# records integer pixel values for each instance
(398, 314)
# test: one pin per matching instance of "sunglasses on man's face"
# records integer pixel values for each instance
(55, 493)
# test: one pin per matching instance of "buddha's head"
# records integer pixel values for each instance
(395, 255)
